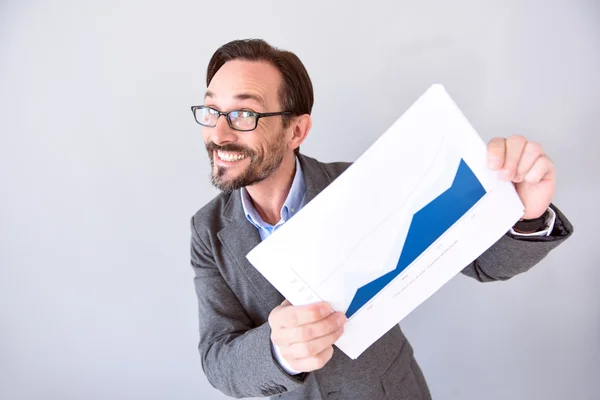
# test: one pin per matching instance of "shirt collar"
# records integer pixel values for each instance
(291, 206)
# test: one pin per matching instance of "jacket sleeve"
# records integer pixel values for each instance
(513, 255)
(236, 355)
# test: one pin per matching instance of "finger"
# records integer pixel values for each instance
(308, 332)
(312, 347)
(496, 151)
(275, 315)
(514, 148)
(542, 168)
(291, 316)
(530, 154)
(313, 363)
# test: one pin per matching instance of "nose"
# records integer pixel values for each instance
(222, 133)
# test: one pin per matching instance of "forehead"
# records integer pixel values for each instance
(241, 79)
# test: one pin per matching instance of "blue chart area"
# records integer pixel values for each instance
(427, 225)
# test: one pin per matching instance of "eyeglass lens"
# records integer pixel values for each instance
(243, 120)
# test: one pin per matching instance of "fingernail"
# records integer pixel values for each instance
(341, 319)
(325, 311)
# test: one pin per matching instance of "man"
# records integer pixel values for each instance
(255, 116)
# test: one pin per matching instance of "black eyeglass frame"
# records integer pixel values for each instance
(226, 114)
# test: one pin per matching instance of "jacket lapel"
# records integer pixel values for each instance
(238, 238)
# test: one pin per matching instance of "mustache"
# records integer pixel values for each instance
(231, 147)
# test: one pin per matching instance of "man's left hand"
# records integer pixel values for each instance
(526, 165)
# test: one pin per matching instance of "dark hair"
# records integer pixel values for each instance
(296, 92)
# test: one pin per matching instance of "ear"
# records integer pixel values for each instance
(300, 127)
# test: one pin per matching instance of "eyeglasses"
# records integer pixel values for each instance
(239, 120)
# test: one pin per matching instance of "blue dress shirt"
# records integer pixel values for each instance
(293, 203)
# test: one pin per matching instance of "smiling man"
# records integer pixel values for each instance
(255, 116)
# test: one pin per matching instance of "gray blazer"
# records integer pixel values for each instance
(235, 300)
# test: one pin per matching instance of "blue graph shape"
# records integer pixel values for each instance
(427, 225)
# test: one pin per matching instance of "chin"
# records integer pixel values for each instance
(225, 181)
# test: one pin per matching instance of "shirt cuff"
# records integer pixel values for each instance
(284, 364)
(550, 220)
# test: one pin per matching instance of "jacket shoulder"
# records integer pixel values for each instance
(331, 169)
(335, 169)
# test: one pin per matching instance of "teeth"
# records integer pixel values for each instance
(230, 156)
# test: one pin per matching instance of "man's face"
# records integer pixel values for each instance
(237, 158)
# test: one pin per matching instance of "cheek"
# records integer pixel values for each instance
(257, 141)
(271, 137)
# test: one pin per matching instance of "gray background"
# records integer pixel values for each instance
(102, 165)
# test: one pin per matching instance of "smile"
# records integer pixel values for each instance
(230, 157)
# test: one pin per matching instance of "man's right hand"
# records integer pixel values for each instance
(305, 334)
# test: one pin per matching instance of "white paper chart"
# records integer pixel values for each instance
(416, 208)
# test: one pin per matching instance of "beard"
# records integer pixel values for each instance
(262, 165)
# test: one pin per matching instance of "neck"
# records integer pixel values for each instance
(269, 195)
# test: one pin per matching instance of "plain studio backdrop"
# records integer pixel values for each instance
(102, 166)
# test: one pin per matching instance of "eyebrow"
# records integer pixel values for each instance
(240, 96)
